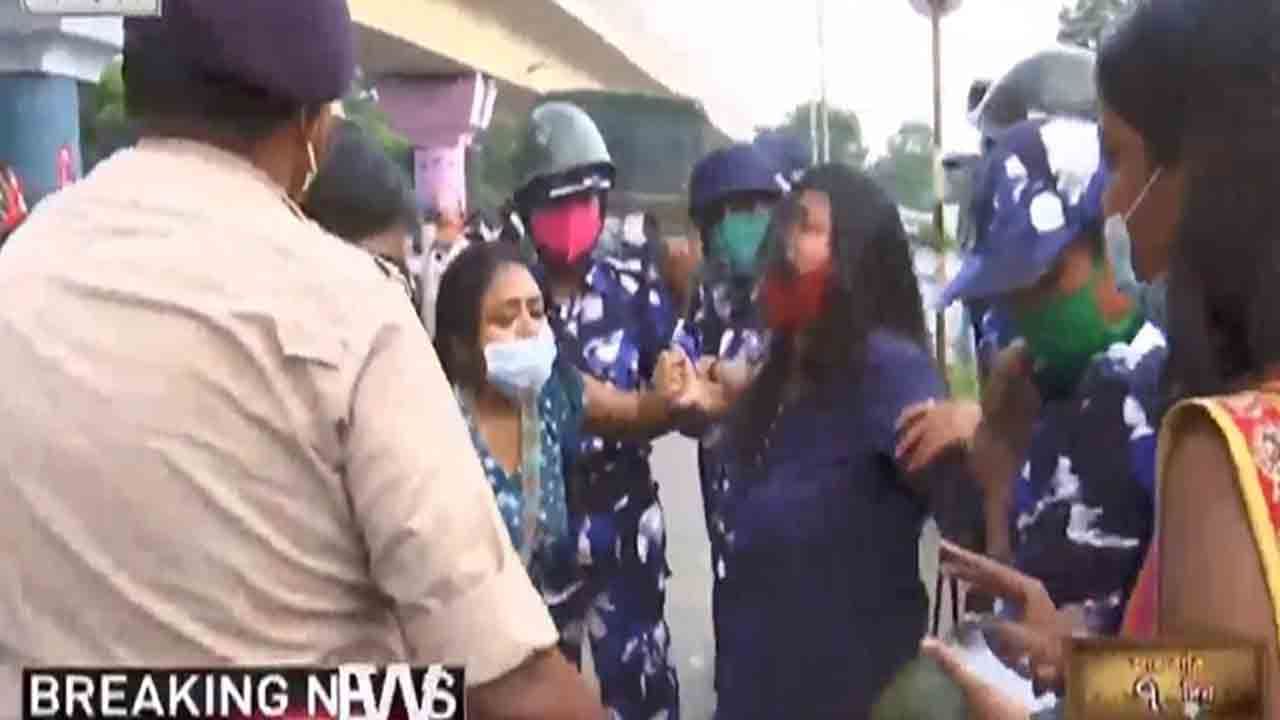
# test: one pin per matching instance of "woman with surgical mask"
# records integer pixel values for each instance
(1142, 122)
(526, 406)
(1189, 92)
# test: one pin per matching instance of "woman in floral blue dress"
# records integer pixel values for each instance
(526, 407)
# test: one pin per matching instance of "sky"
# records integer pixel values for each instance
(751, 61)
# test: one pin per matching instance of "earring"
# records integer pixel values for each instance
(312, 168)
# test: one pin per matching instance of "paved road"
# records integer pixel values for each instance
(675, 465)
(689, 593)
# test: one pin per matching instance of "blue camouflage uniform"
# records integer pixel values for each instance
(614, 330)
(994, 333)
(726, 191)
(1083, 501)
(725, 315)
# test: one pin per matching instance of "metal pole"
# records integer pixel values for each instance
(939, 222)
(822, 82)
(816, 154)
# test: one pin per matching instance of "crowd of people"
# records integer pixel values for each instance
(264, 417)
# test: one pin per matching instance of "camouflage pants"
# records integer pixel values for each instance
(619, 604)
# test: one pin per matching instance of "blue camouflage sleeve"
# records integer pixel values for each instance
(1143, 409)
(663, 327)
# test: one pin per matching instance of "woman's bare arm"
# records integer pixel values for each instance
(625, 414)
(1211, 578)
(546, 687)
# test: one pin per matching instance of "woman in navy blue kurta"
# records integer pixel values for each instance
(824, 601)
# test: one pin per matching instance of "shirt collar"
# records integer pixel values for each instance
(213, 164)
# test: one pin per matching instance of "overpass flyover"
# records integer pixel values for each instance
(530, 46)
(429, 49)
(428, 58)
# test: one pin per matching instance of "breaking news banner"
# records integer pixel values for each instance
(1116, 679)
(348, 692)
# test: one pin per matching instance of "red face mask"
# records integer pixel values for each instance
(793, 303)
(567, 231)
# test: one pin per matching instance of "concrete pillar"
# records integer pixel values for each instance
(40, 130)
(42, 58)
(439, 115)
(440, 174)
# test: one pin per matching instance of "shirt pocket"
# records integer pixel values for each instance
(309, 342)
(315, 382)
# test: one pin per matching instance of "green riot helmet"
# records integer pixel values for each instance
(563, 154)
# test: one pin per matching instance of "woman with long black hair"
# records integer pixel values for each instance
(826, 601)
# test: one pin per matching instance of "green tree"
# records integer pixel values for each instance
(1085, 22)
(104, 124)
(361, 108)
(491, 165)
(845, 130)
(906, 170)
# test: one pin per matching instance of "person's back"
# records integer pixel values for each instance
(195, 369)
(231, 441)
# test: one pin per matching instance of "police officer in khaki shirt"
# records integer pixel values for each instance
(224, 437)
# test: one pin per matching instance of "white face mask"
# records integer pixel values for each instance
(1120, 244)
(519, 368)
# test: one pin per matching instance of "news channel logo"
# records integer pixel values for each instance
(1116, 679)
(94, 8)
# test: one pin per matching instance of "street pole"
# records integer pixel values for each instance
(822, 82)
(939, 221)
(816, 154)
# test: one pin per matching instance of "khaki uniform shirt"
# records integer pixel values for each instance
(224, 438)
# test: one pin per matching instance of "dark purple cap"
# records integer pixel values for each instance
(299, 51)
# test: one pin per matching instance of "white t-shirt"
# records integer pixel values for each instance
(439, 256)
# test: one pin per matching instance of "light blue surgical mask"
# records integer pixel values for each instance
(1115, 232)
(1154, 302)
(1150, 297)
(519, 368)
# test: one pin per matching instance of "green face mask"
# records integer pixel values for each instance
(737, 240)
(1066, 333)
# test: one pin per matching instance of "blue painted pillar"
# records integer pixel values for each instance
(42, 57)
(40, 130)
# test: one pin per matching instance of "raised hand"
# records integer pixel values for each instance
(1034, 647)
(927, 430)
(985, 701)
(1010, 400)
(675, 379)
